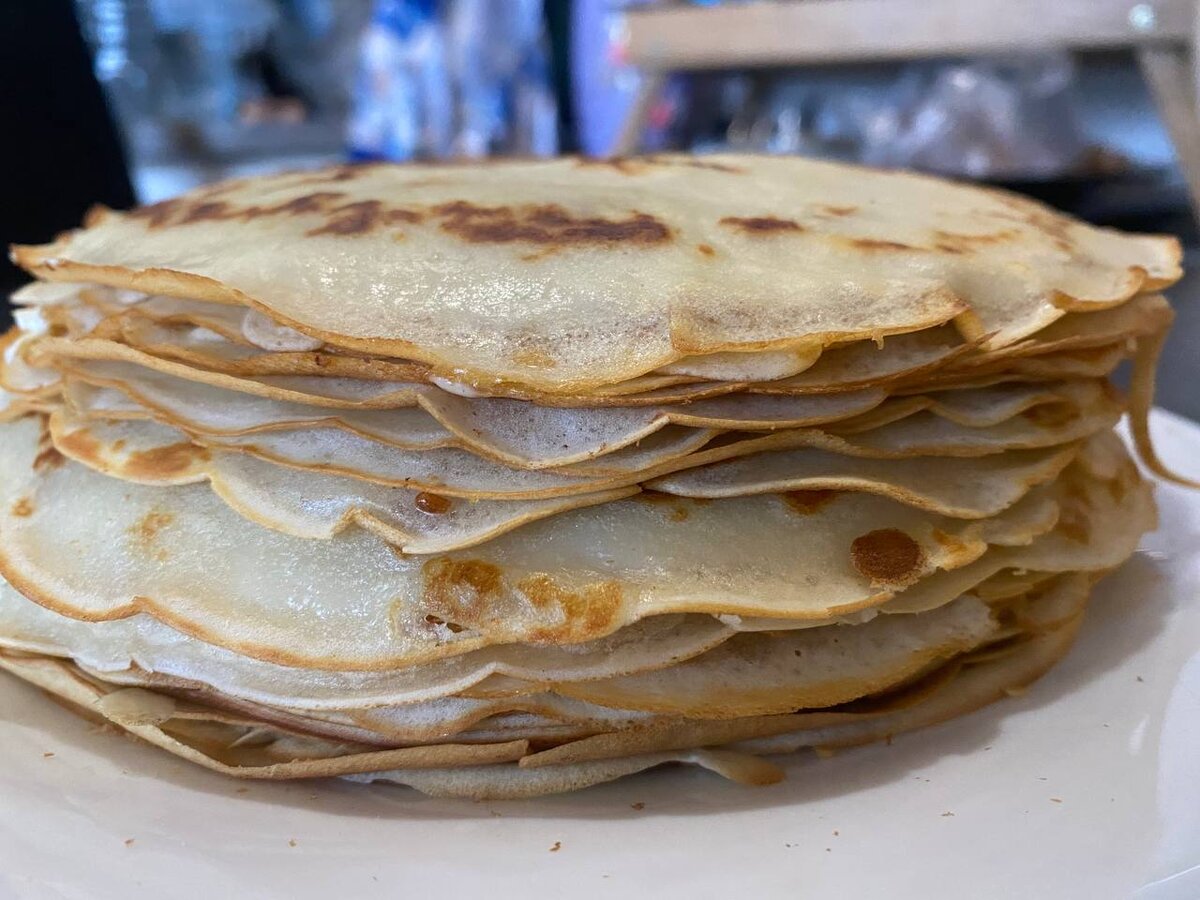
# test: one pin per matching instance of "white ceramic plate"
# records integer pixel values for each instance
(1088, 787)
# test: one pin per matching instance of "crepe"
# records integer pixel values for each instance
(141, 642)
(513, 432)
(744, 675)
(249, 327)
(353, 603)
(596, 275)
(971, 487)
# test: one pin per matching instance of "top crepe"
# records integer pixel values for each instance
(568, 275)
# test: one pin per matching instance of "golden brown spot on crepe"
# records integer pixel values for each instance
(48, 458)
(307, 203)
(157, 214)
(706, 250)
(351, 218)
(215, 210)
(762, 224)
(957, 242)
(875, 244)
(679, 513)
(163, 462)
(434, 504)
(536, 359)
(838, 210)
(586, 612)
(808, 502)
(152, 523)
(1027, 212)
(146, 530)
(182, 211)
(361, 217)
(221, 210)
(1051, 415)
(649, 495)
(81, 445)
(462, 591)
(547, 224)
(22, 508)
(966, 241)
(887, 556)
(59, 319)
(399, 214)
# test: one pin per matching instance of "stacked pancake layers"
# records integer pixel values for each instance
(512, 479)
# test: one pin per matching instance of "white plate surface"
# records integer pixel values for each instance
(1088, 786)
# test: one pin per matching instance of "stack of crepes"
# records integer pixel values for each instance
(511, 479)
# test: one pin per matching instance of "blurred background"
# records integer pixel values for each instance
(1089, 105)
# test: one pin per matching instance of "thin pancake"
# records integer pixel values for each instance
(222, 748)
(141, 643)
(304, 504)
(768, 673)
(972, 487)
(351, 603)
(591, 275)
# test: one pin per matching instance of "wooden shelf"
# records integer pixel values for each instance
(808, 32)
(789, 33)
